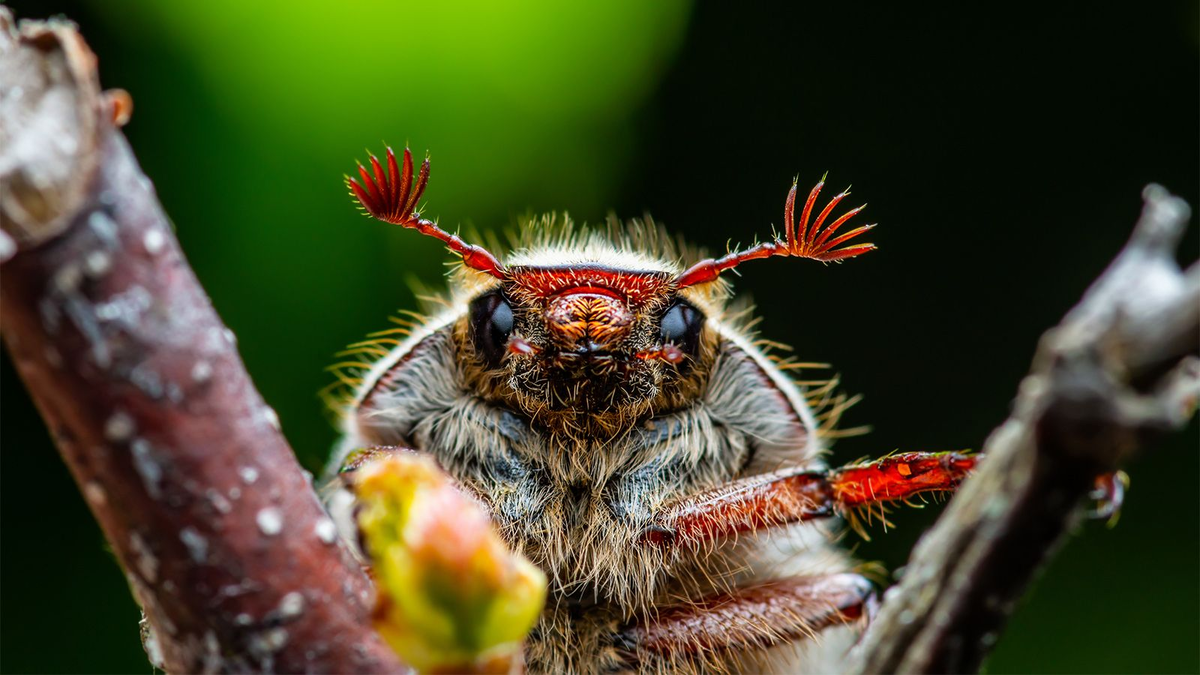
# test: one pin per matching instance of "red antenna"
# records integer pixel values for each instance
(813, 242)
(393, 198)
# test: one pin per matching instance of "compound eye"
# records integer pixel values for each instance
(681, 326)
(491, 324)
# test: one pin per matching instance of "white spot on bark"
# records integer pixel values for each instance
(81, 312)
(271, 417)
(126, 307)
(154, 241)
(212, 653)
(201, 371)
(235, 492)
(218, 501)
(270, 521)
(144, 377)
(95, 494)
(146, 563)
(66, 278)
(326, 530)
(341, 510)
(8, 247)
(292, 605)
(147, 466)
(243, 619)
(267, 643)
(216, 338)
(104, 227)
(249, 474)
(119, 427)
(196, 544)
(51, 316)
(97, 263)
(152, 646)
(229, 336)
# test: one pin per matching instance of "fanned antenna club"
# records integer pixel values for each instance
(800, 240)
(393, 197)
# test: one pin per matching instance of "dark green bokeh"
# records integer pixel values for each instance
(1002, 148)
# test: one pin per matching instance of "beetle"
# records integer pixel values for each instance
(612, 409)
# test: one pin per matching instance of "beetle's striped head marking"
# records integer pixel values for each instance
(588, 309)
(636, 287)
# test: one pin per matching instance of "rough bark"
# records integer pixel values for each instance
(1120, 370)
(221, 535)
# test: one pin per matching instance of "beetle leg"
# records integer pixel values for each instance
(754, 616)
(793, 495)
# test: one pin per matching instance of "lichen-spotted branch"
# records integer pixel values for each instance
(221, 535)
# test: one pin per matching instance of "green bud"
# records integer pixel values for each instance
(451, 595)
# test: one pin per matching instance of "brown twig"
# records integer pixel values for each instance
(1118, 371)
(222, 537)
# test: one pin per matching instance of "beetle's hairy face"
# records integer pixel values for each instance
(586, 339)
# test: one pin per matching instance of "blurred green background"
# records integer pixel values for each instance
(1003, 148)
